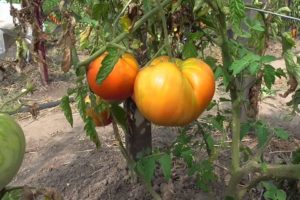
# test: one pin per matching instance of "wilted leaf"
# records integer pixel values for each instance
(126, 23)
(67, 61)
(84, 37)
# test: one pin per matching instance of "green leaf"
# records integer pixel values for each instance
(264, 167)
(212, 62)
(205, 174)
(295, 101)
(241, 64)
(89, 21)
(218, 122)
(166, 165)
(65, 106)
(268, 185)
(226, 81)
(90, 130)
(108, 64)
(282, 134)
(146, 5)
(269, 76)
(262, 134)
(100, 9)
(254, 68)
(80, 99)
(281, 195)
(229, 198)
(267, 59)
(280, 73)
(119, 116)
(195, 36)
(187, 156)
(14, 194)
(237, 14)
(211, 105)
(255, 25)
(222, 99)
(296, 156)
(272, 192)
(189, 50)
(146, 167)
(245, 128)
(209, 141)
(218, 73)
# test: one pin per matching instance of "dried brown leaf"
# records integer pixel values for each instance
(67, 61)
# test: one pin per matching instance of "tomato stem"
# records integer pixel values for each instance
(165, 30)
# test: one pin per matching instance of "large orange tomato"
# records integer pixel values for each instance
(172, 92)
(119, 83)
(100, 119)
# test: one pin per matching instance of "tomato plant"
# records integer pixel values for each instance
(172, 40)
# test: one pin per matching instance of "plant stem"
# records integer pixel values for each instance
(154, 194)
(120, 37)
(131, 162)
(236, 105)
(271, 171)
(156, 54)
(119, 47)
(29, 89)
(165, 29)
(236, 127)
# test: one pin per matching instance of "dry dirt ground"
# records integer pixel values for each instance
(62, 157)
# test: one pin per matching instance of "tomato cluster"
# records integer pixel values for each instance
(168, 92)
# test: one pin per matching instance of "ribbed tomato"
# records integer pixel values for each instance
(12, 149)
(172, 92)
(119, 83)
(100, 119)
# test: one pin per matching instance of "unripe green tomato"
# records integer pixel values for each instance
(12, 148)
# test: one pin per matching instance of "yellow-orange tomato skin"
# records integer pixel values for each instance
(174, 93)
(120, 82)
